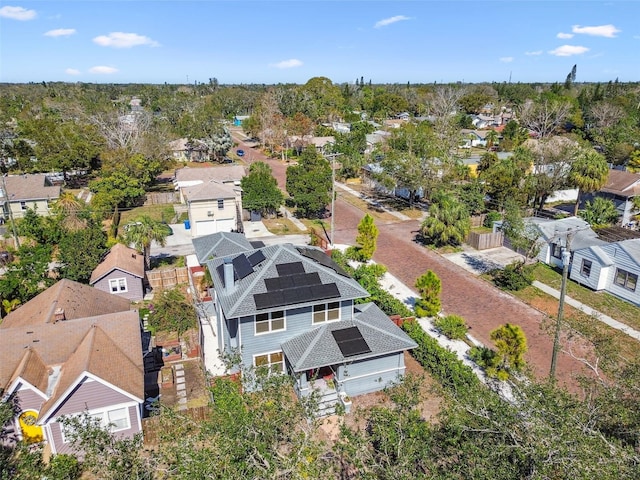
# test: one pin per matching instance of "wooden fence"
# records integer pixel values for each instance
(482, 241)
(478, 220)
(152, 427)
(167, 278)
(160, 198)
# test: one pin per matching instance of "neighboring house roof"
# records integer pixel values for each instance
(220, 244)
(624, 184)
(74, 299)
(179, 145)
(58, 354)
(256, 276)
(601, 255)
(223, 174)
(122, 258)
(319, 347)
(210, 190)
(631, 248)
(556, 231)
(21, 188)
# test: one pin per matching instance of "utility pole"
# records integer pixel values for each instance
(333, 192)
(7, 207)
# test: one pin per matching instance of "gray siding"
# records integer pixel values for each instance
(135, 289)
(61, 447)
(91, 395)
(624, 262)
(368, 376)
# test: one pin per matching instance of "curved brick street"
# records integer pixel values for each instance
(483, 306)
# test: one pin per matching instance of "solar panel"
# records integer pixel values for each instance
(242, 266)
(256, 258)
(268, 299)
(257, 243)
(329, 290)
(322, 258)
(350, 341)
(290, 268)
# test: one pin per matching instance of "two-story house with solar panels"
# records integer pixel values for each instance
(292, 308)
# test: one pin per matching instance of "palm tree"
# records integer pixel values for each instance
(589, 172)
(69, 207)
(142, 232)
(448, 222)
(492, 138)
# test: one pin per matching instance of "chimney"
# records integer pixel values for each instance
(58, 315)
(229, 284)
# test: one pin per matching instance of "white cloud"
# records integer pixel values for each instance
(568, 50)
(60, 32)
(103, 70)
(564, 35)
(506, 59)
(291, 63)
(390, 20)
(72, 71)
(608, 31)
(534, 53)
(17, 13)
(124, 40)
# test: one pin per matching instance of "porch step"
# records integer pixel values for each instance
(327, 403)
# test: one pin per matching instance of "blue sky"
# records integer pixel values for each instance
(242, 41)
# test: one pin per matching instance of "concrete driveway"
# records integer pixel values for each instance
(483, 261)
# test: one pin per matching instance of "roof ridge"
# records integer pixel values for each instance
(378, 329)
(318, 332)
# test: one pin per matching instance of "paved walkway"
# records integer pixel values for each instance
(589, 311)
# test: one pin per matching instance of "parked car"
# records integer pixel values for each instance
(240, 153)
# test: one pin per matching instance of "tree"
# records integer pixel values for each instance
(633, 165)
(523, 235)
(29, 276)
(367, 237)
(309, 183)
(599, 212)
(260, 190)
(172, 312)
(589, 172)
(142, 232)
(511, 345)
(429, 286)
(119, 190)
(80, 252)
(448, 222)
(545, 117)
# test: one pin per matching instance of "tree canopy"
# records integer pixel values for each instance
(260, 191)
(309, 183)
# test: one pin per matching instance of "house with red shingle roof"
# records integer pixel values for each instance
(70, 350)
(121, 273)
(621, 187)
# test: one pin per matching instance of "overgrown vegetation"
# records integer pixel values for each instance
(452, 326)
(513, 277)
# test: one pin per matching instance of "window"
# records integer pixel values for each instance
(585, 270)
(556, 250)
(114, 420)
(220, 203)
(270, 322)
(274, 361)
(626, 279)
(326, 312)
(118, 285)
(23, 205)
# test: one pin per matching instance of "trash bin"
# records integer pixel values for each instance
(187, 225)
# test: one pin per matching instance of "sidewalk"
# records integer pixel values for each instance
(589, 311)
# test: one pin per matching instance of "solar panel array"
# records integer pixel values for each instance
(242, 266)
(294, 295)
(350, 341)
(290, 268)
(291, 281)
(322, 258)
(256, 258)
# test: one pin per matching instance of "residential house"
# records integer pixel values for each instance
(292, 309)
(120, 273)
(185, 150)
(613, 267)
(621, 188)
(213, 197)
(393, 123)
(34, 191)
(299, 143)
(554, 235)
(72, 350)
(220, 244)
(374, 139)
(473, 138)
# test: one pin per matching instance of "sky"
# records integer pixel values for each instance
(270, 42)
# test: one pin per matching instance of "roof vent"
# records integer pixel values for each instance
(58, 315)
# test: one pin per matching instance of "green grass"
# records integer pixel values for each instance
(160, 213)
(601, 301)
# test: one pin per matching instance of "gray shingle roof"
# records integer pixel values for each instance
(318, 347)
(220, 244)
(239, 300)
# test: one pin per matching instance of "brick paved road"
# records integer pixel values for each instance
(483, 306)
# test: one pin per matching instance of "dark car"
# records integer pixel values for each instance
(240, 153)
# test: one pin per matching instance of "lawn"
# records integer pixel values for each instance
(160, 213)
(281, 226)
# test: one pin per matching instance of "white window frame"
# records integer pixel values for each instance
(221, 204)
(270, 363)
(624, 275)
(103, 415)
(585, 268)
(270, 320)
(120, 285)
(325, 311)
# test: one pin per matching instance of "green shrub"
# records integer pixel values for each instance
(490, 362)
(490, 218)
(429, 286)
(452, 326)
(513, 277)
